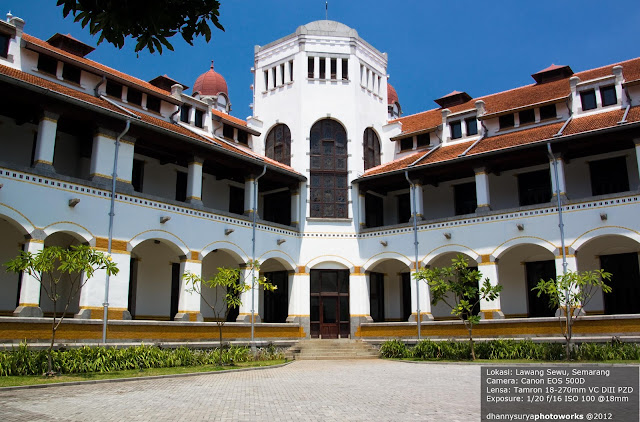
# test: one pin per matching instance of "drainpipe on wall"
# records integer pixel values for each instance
(560, 222)
(253, 254)
(111, 215)
(415, 244)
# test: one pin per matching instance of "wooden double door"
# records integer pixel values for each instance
(329, 303)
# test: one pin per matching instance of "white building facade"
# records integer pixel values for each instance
(326, 171)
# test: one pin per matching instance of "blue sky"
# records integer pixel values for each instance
(434, 47)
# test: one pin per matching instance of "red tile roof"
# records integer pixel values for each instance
(229, 118)
(19, 75)
(100, 68)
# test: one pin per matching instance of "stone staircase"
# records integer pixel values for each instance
(322, 349)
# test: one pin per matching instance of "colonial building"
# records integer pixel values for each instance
(327, 186)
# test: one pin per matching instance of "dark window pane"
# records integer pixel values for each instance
(472, 126)
(310, 65)
(373, 210)
(456, 130)
(343, 281)
(236, 200)
(334, 68)
(4, 45)
(227, 131)
(71, 73)
(134, 96)
(534, 187)
(536, 271)
(315, 308)
(625, 283)
(184, 113)
(404, 208)
(609, 176)
(588, 99)
(608, 94)
(153, 103)
(114, 89)
(277, 207)
(506, 121)
(344, 308)
(199, 118)
(465, 198)
(243, 138)
(406, 144)
(47, 64)
(371, 145)
(345, 69)
(137, 175)
(181, 186)
(329, 310)
(527, 116)
(548, 112)
(323, 68)
(329, 281)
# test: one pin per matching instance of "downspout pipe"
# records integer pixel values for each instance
(111, 215)
(253, 255)
(415, 244)
(560, 221)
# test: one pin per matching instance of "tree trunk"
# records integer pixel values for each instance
(53, 336)
(473, 352)
(220, 349)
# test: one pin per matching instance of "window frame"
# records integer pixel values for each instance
(506, 121)
(456, 129)
(404, 142)
(586, 95)
(277, 146)
(530, 115)
(545, 112)
(608, 89)
(198, 119)
(371, 148)
(469, 126)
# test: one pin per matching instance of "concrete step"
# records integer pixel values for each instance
(331, 349)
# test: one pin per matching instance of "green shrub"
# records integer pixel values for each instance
(393, 349)
(23, 361)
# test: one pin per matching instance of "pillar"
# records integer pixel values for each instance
(29, 303)
(316, 67)
(102, 156)
(420, 289)
(46, 142)
(560, 182)
(295, 207)
(359, 304)
(482, 190)
(338, 68)
(572, 266)
(299, 299)
(244, 315)
(419, 201)
(194, 181)
(362, 211)
(489, 309)
(91, 301)
(249, 188)
(189, 300)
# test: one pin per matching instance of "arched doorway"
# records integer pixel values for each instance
(214, 297)
(389, 291)
(329, 316)
(617, 255)
(275, 304)
(11, 244)
(154, 284)
(66, 291)
(441, 311)
(520, 268)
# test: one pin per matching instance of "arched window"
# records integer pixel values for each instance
(278, 144)
(329, 195)
(371, 145)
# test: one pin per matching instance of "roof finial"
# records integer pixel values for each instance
(211, 64)
(326, 10)
(9, 16)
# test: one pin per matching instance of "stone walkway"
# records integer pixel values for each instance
(355, 390)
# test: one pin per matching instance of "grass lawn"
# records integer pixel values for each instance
(13, 381)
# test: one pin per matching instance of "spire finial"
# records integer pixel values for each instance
(326, 10)
(211, 64)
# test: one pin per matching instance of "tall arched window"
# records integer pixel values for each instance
(371, 145)
(329, 195)
(278, 144)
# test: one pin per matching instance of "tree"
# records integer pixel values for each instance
(53, 265)
(149, 22)
(227, 286)
(457, 287)
(571, 292)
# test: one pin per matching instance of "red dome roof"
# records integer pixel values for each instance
(210, 83)
(392, 95)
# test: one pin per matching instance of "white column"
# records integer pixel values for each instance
(327, 68)
(489, 309)
(425, 299)
(249, 188)
(295, 207)
(29, 303)
(102, 155)
(316, 67)
(359, 304)
(188, 301)
(46, 141)
(482, 190)
(572, 266)
(362, 211)
(299, 299)
(244, 314)
(194, 181)
(91, 301)
(287, 73)
(560, 183)
(419, 201)
(339, 69)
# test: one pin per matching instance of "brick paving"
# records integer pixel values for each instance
(355, 390)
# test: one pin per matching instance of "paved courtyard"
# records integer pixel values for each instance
(364, 390)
